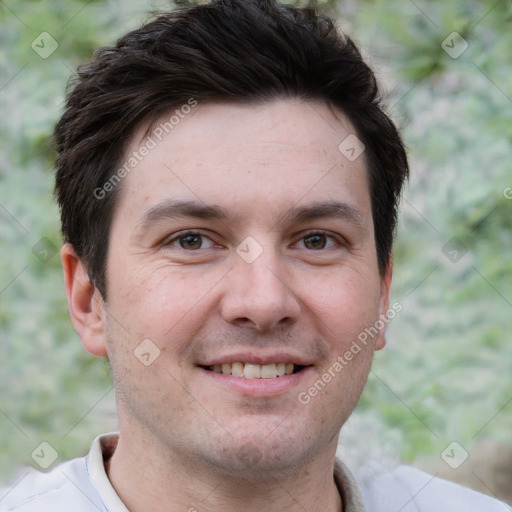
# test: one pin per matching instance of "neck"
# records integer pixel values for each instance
(144, 479)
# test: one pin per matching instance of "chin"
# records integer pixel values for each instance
(265, 451)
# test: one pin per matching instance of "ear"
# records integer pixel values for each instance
(385, 289)
(86, 306)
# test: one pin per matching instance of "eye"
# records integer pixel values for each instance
(318, 241)
(191, 241)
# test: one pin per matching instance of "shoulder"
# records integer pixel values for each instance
(410, 490)
(67, 487)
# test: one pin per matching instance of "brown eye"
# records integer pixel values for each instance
(191, 242)
(317, 241)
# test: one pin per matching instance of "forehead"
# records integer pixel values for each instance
(254, 159)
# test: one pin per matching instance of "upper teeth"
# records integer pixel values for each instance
(254, 371)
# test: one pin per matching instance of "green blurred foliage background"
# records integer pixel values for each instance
(446, 372)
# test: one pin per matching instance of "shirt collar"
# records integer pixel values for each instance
(348, 488)
(101, 450)
(104, 446)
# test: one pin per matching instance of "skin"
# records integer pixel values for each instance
(186, 439)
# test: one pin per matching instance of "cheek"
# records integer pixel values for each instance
(344, 304)
(163, 299)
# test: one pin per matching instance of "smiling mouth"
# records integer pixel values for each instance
(255, 371)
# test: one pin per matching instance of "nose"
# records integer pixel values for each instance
(260, 295)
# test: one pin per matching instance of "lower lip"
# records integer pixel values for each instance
(258, 387)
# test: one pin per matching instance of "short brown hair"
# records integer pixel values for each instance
(228, 50)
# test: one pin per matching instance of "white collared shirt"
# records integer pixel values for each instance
(82, 485)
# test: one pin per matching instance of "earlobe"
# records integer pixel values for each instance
(85, 303)
(385, 290)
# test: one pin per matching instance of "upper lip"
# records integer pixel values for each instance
(257, 358)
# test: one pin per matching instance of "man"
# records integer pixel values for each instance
(228, 187)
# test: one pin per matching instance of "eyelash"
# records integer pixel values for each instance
(175, 239)
(184, 234)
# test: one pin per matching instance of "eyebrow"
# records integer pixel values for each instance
(170, 209)
(330, 209)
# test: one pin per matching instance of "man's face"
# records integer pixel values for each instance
(244, 238)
